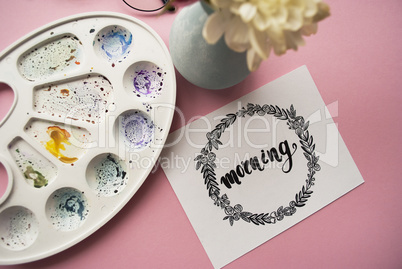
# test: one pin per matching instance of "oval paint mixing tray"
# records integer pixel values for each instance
(94, 101)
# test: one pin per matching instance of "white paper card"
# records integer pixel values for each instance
(257, 166)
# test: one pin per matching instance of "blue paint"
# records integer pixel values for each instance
(67, 209)
(116, 43)
(73, 205)
(111, 176)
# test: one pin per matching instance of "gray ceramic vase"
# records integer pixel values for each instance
(204, 65)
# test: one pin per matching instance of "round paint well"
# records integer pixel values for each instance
(136, 129)
(67, 209)
(113, 43)
(144, 79)
(107, 174)
(19, 228)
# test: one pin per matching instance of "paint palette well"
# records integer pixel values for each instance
(94, 101)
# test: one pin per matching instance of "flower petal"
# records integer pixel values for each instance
(259, 42)
(221, 3)
(236, 35)
(310, 9)
(247, 11)
(260, 22)
(295, 19)
(322, 13)
(293, 39)
(253, 60)
(214, 28)
(310, 29)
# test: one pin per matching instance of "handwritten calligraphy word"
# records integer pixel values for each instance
(248, 166)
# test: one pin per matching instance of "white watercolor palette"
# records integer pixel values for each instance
(94, 100)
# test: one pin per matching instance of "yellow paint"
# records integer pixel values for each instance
(59, 138)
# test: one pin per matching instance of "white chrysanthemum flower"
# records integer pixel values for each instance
(259, 26)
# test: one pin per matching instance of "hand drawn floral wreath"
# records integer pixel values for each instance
(206, 161)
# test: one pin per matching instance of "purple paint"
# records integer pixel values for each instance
(148, 83)
(145, 79)
(137, 130)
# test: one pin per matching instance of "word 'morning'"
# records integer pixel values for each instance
(248, 166)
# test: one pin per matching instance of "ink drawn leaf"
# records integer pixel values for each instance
(304, 143)
(231, 220)
(306, 149)
(253, 219)
(310, 140)
(260, 218)
(245, 216)
(215, 144)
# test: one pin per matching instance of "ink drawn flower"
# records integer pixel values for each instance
(313, 163)
(233, 213)
(220, 201)
(213, 140)
(259, 26)
(206, 157)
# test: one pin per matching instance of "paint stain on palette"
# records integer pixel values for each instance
(136, 130)
(113, 43)
(67, 209)
(86, 99)
(144, 79)
(19, 228)
(65, 142)
(107, 175)
(36, 169)
(59, 55)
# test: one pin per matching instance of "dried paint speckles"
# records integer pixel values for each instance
(55, 57)
(36, 169)
(85, 99)
(67, 209)
(18, 228)
(113, 43)
(110, 175)
(144, 79)
(136, 129)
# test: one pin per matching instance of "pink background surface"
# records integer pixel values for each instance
(355, 60)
